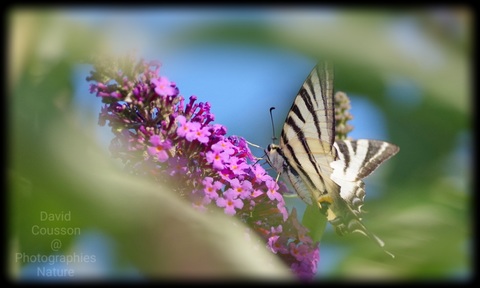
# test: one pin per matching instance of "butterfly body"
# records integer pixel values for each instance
(323, 171)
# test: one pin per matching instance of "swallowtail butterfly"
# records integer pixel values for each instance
(323, 171)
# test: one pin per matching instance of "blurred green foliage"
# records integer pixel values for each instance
(423, 215)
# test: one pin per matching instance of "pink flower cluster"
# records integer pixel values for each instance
(158, 135)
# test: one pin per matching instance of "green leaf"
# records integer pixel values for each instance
(315, 222)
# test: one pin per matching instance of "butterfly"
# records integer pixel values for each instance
(323, 171)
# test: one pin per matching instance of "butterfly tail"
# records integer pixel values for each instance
(345, 221)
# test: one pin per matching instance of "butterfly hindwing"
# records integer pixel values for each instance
(356, 160)
(359, 158)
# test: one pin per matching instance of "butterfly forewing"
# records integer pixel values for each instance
(312, 112)
(308, 134)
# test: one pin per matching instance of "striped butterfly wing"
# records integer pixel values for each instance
(356, 160)
(307, 137)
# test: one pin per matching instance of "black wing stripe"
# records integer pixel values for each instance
(309, 95)
(297, 112)
(306, 148)
(325, 75)
(309, 87)
(370, 156)
(343, 153)
(297, 162)
(298, 166)
(377, 153)
(307, 98)
(291, 122)
(353, 145)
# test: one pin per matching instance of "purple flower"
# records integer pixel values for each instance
(298, 250)
(279, 229)
(230, 202)
(163, 87)
(241, 189)
(177, 165)
(255, 193)
(200, 203)
(282, 209)
(202, 135)
(211, 188)
(260, 174)
(160, 148)
(272, 192)
(308, 266)
(184, 127)
(237, 165)
(191, 130)
(217, 159)
(223, 146)
(272, 244)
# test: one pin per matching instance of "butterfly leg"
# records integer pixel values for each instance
(276, 178)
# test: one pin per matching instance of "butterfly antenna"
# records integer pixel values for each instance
(273, 126)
